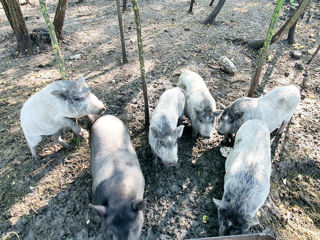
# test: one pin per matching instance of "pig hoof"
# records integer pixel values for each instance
(84, 133)
(36, 158)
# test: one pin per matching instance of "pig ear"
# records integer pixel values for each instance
(217, 113)
(197, 110)
(155, 131)
(61, 94)
(139, 205)
(99, 209)
(178, 131)
(239, 115)
(81, 79)
(217, 202)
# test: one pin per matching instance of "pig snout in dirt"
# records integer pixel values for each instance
(200, 105)
(117, 180)
(52, 108)
(163, 131)
(247, 179)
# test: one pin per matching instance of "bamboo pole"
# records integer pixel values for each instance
(266, 46)
(54, 41)
(123, 43)
(141, 60)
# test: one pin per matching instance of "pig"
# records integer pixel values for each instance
(200, 106)
(50, 110)
(117, 181)
(247, 179)
(163, 130)
(274, 108)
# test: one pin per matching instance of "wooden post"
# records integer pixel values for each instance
(141, 60)
(54, 41)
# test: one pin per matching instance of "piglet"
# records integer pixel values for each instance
(247, 179)
(163, 131)
(200, 105)
(117, 180)
(50, 110)
(274, 108)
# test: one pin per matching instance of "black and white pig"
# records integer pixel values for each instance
(200, 105)
(117, 180)
(50, 110)
(247, 179)
(274, 108)
(163, 130)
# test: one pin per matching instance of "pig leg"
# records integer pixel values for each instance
(33, 141)
(155, 160)
(57, 138)
(194, 134)
(76, 128)
(283, 125)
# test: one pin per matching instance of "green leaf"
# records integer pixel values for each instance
(292, 2)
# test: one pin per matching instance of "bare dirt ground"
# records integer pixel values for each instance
(50, 200)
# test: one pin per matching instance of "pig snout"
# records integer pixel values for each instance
(95, 106)
(220, 133)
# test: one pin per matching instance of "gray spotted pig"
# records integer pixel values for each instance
(274, 108)
(117, 180)
(163, 131)
(247, 179)
(50, 110)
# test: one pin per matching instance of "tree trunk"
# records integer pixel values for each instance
(214, 13)
(59, 18)
(288, 25)
(123, 43)
(191, 6)
(124, 5)
(14, 15)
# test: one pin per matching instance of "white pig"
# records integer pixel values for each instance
(50, 110)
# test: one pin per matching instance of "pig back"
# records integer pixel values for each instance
(108, 134)
(112, 153)
(191, 81)
(251, 150)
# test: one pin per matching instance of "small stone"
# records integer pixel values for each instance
(286, 74)
(298, 66)
(187, 29)
(76, 57)
(227, 65)
(296, 54)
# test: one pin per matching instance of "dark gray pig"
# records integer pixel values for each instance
(117, 180)
(274, 108)
(163, 131)
(50, 110)
(200, 105)
(247, 179)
